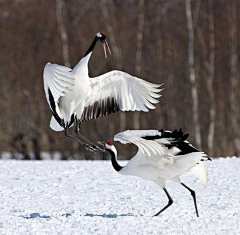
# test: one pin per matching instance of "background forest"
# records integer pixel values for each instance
(190, 46)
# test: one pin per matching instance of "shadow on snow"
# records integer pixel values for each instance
(108, 216)
(36, 215)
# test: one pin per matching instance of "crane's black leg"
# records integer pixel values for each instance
(193, 195)
(170, 201)
(97, 149)
(89, 148)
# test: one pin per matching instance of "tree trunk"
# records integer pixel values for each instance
(192, 75)
(60, 12)
(160, 116)
(116, 54)
(211, 73)
(138, 66)
(234, 78)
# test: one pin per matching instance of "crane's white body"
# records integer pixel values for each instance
(73, 91)
(156, 162)
(76, 86)
(74, 99)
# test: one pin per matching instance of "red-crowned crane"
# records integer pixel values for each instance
(162, 155)
(73, 96)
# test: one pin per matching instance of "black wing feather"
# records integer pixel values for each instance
(176, 139)
(53, 108)
(99, 109)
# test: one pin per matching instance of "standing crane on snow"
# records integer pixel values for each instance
(74, 97)
(162, 155)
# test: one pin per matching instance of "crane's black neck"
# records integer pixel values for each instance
(115, 164)
(90, 49)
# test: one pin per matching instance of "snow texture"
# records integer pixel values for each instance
(84, 197)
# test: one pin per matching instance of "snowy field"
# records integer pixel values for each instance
(83, 197)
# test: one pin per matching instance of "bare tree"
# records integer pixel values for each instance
(159, 56)
(233, 78)
(208, 47)
(138, 66)
(192, 75)
(87, 5)
(210, 78)
(115, 49)
(109, 24)
(60, 12)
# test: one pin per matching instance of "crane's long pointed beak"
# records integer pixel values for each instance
(104, 48)
(108, 47)
(104, 43)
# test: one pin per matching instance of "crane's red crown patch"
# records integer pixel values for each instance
(109, 143)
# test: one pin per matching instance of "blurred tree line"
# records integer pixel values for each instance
(190, 46)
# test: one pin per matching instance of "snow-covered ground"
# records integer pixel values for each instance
(83, 197)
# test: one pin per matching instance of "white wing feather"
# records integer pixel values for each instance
(131, 93)
(58, 79)
(54, 125)
(201, 173)
(146, 147)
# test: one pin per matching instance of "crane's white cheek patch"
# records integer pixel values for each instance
(99, 35)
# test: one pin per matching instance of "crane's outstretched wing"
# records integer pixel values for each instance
(116, 91)
(146, 147)
(150, 153)
(58, 80)
(166, 150)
